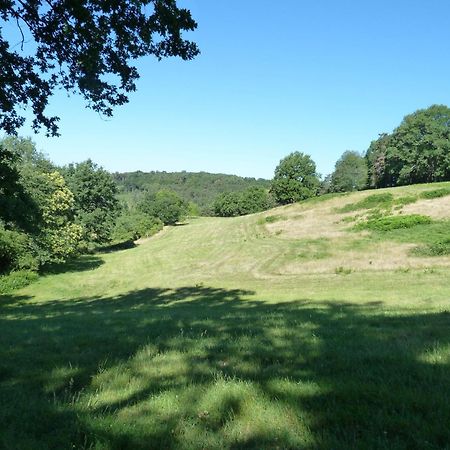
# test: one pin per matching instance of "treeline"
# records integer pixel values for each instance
(199, 189)
(417, 151)
(49, 214)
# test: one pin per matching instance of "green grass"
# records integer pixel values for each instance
(199, 339)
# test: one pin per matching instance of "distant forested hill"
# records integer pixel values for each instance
(199, 187)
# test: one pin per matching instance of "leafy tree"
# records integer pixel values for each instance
(350, 173)
(418, 151)
(86, 47)
(17, 208)
(228, 204)
(250, 201)
(132, 225)
(166, 205)
(59, 236)
(96, 204)
(295, 179)
(376, 162)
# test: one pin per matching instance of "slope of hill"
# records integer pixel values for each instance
(318, 325)
(201, 188)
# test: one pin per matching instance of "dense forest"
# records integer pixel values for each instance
(200, 188)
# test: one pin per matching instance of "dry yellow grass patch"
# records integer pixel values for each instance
(437, 208)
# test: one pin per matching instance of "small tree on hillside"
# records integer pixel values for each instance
(350, 173)
(295, 179)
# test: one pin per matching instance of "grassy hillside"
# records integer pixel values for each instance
(201, 188)
(318, 325)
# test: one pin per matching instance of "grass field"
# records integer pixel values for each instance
(292, 329)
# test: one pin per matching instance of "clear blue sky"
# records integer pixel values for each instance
(318, 76)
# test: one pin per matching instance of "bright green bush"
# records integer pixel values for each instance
(435, 193)
(394, 222)
(372, 201)
(440, 248)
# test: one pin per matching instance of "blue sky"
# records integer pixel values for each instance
(317, 76)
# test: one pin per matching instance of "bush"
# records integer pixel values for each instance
(134, 225)
(440, 248)
(250, 201)
(16, 280)
(394, 222)
(435, 193)
(166, 205)
(372, 201)
(16, 251)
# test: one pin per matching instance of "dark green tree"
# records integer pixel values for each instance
(17, 207)
(350, 173)
(132, 225)
(377, 175)
(228, 204)
(83, 46)
(252, 200)
(295, 179)
(418, 151)
(96, 204)
(166, 205)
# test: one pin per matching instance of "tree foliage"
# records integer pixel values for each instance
(418, 151)
(252, 200)
(201, 188)
(295, 179)
(37, 225)
(166, 205)
(96, 204)
(86, 47)
(132, 225)
(350, 173)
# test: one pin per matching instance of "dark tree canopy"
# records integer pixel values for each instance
(350, 173)
(83, 46)
(418, 150)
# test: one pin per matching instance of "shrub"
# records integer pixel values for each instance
(16, 280)
(252, 200)
(134, 225)
(440, 248)
(372, 201)
(394, 222)
(406, 200)
(16, 251)
(166, 205)
(435, 193)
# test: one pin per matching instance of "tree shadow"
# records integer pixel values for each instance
(203, 367)
(79, 264)
(126, 245)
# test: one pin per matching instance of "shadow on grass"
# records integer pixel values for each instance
(126, 245)
(79, 264)
(200, 367)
